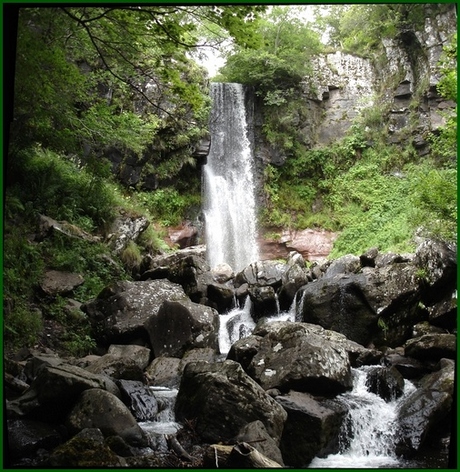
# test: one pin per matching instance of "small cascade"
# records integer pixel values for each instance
(229, 182)
(234, 325)
(369, 431)
(164, 422)
(238, 323)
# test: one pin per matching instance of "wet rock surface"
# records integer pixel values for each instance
(279, 384)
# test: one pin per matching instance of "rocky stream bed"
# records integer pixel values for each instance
(272, 400)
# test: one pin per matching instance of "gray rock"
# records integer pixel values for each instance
(100, 409)
(119, 312)
(26, 436)
(432, 347)
(385, 382)
(140, 354)
(297, 356)
(125, 229)
(222, 399)
(139, 399)
(179, 326)
(56, 282)
(164, 371)
(311, 427)
(256, 434)
(437, 262)
(117, 367)
(54, 391)
(347, 264)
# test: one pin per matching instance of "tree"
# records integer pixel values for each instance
(94, 77)
(282, 61)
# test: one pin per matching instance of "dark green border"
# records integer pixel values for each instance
(4, 103)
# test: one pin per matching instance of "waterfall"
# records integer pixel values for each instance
(229, 197)
(369, 430)
(164, 422)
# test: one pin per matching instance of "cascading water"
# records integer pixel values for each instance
(164, 422)
(369, 431)
(229, 199)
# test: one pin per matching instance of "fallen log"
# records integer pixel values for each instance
(175, 445)
(241, 455)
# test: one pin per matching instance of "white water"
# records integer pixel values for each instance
(229, 199)
(369, 431)
(238, 324)
(164, 423)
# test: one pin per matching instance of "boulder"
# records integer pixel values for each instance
(298, 356)
(426, 408)
(55, 282)
(220, 296)
(222, 273)
(264, 301)
(348, 264)
(354, 304)
(96, 408)
(444, 313)
(437, 261)
(119, 312)
(222, 398)
(139, 399)
(54, 391)
(295, 277)
(179, 326)
(124, 229)
(256, 434)
(26, 436)
(117, 367)
(338, 303)
(385, 382)
(85, 450)
(187, 268)
(432, 347)
(311, 428)
(408, 367)
(140, 354)
(262, 274)
(164, 371)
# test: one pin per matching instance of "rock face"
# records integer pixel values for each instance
(297, 356)
(344, 84)
(222, 399)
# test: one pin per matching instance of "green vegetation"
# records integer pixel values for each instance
(370, 191)
(97, 82)
(92, 83)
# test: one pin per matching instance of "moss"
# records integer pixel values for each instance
(84, 452)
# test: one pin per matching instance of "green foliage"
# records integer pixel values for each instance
(359, 29)
(280, 63)
(444, 143)
(60, 189)
(167, 206)
(131, 256)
